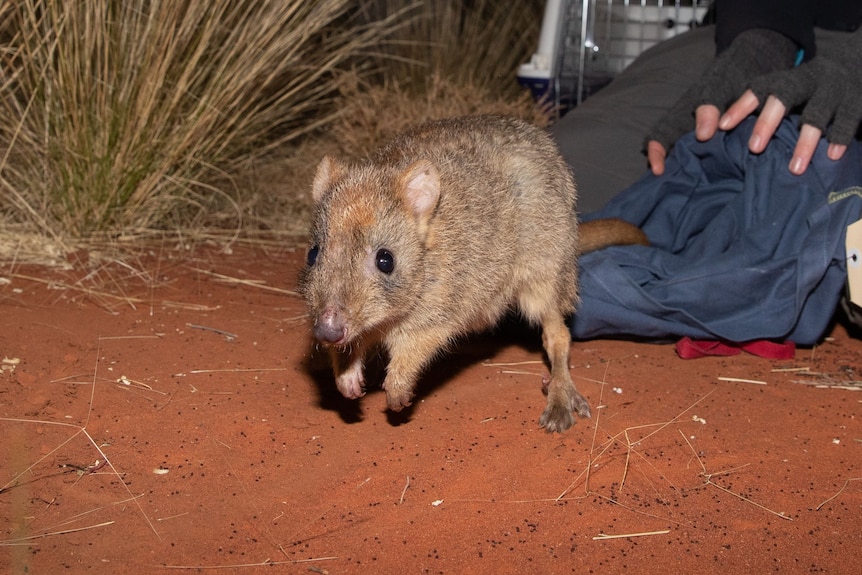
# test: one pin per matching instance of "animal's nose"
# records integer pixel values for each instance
(330, 327)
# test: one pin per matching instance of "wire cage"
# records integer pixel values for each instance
(585, 43)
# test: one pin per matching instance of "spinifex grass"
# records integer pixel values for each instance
(114, 113)
(444, 58)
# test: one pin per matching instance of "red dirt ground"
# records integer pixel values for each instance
(236, 452)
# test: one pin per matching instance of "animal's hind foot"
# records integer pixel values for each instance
(559, 414)
(557, 419)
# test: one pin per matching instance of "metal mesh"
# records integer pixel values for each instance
(591, 41)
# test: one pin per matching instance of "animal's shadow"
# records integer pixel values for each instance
(467, 351)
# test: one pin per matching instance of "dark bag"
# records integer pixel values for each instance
(741, 248)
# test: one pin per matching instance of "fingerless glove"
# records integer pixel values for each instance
(828, 87)
(753, 53)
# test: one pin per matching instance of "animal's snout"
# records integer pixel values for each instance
(330, 327)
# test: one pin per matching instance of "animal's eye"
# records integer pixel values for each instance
(385, 261)
(312, 255)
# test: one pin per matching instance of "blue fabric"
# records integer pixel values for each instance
(741, 248)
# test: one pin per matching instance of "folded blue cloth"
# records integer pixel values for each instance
(741, 248)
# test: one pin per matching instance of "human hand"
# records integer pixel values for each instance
(767, 122)
(706, 124)
(829, 86)
(751, 54)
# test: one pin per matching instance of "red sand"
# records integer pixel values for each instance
(237, 451)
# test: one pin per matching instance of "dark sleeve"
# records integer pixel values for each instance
(839, 15)
(793, 18)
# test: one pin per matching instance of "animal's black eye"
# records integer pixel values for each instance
(385, 261)
(312, 255)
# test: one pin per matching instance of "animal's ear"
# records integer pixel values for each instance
(328, 170)
(420, 189)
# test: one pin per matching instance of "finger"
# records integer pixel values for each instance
(740, 110)
(656, 155)
(767, 122)
(809, 136)
(706, 122)
(836, 151)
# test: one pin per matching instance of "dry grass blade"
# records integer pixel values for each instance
(26, 540)
(604, 537)
(840, 491)
(708, 481)
(253, 283)
(266, 563)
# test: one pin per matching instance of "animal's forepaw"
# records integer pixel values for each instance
(351, 384)
(398, 399)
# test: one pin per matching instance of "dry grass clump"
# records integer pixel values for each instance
(114, 115)
(443, 58)
(121, 118)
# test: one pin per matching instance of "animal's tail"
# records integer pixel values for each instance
(598, 234)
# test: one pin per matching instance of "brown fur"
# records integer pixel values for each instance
(478, 215)
(598, 234)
